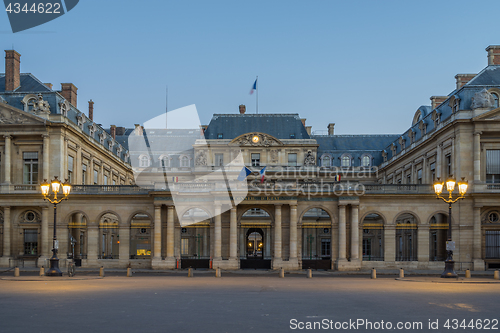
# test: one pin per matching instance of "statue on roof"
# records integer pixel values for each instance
(482, 100)
(309, 160)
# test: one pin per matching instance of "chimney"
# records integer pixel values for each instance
(12, 70)
(68, 91)
(331, 126)
(49, 85)
(243, 109)
(138, 129)
(437, 100)
(308, 129)
(91, 110)
(462, 79)
(112, 131)
(303, 120)
(493, 54)
(120, 131)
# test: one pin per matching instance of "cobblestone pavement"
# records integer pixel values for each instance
(244, 302)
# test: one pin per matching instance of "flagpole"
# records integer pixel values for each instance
(257, 95)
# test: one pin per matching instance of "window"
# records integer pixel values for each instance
(292, 159)
(495, 100)
(165, 162)
(70, 169)
(30, 175)
(448, 165)
(105, 179)
(325, 161)
(184, 246)
(492, 244)
(255, 159)
(365, 161)
(219, 159)
(114, 181)
(96, 175)
(419, 176)
(185, 161)
(144, 161)
(433, 171)
(30, 241)
(325, 247)
(493, 166)
(84, 174)
(219, 136)
(408, 178)
(292, 136)
(456, 105)
(345, 161)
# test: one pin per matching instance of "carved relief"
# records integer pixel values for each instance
(256, 140)
(309, 160)
(12, 117)
(482, 99)
(41, 106)
(201, 158)
(274, 156)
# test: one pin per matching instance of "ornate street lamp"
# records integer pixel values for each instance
(449, 268)
(55, 184)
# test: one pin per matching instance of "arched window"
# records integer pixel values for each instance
(108, 237)
(185, 161)
(366, 161)
(144, 161)
(316, 237)
(345, 161)
(326, 161)
(406, 237)
(373, 238)
(495, 100)
(164, 161)
(438, 232)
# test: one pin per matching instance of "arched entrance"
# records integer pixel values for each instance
(316, 239)
(255, 241)
(195, 239)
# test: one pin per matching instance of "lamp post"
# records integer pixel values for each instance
(449, 268)
(55, 184)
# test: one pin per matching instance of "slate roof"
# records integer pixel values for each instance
(354, 142)
(490, 76)
(281, 126)
(29, 84)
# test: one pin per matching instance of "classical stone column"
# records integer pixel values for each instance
(342, 232)
(423, 243)
(45, 232)
(6, 231)
(92, 244)
(477, 157)
(354, 232)
(46, 156)
(218, 234)
(233, 235)
(477, 241)
(170, 232)
(157, 234)
(90, 177)
(124, 246)
(390, 243)
(77, 167)
(293, 232)
(7, 161)
(277, 232)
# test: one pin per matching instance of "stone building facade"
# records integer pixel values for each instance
(326, 201)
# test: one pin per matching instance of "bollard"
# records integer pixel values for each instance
(309, 273)
(129, 272)
(101, 271)
(282, 273)
(190, 272)
(16, 272)
(374, 273)
(496, 275)
(467, 273)
(217, 272)
(42, 271)
(401, 273)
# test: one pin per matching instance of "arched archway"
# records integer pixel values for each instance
(77, 240)
(195, 238)
(255, 238)
(140, 236)
(316, 238)
(438, 234)
(406, 237)
(109, 241)
(373, 237)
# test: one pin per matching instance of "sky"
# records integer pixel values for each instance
(364, 65)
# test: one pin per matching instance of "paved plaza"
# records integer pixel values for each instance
(244, 302)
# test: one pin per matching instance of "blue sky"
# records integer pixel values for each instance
(364, 65)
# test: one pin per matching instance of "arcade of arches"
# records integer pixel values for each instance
(329, 234)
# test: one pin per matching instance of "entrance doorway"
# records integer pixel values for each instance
(255, 247)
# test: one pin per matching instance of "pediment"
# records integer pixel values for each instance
(490, 115)
(11, 116)
(256, 139)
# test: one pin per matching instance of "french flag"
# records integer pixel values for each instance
(262, 174)
(254, 87)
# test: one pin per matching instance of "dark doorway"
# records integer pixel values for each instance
(255, 251)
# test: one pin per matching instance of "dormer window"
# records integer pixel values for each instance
(326, 161)
(102, 136)
(345, 161)
(495, 100)
(144, 161)
(456, 105)
(219, 136)
(292, 136)
(366, 161)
